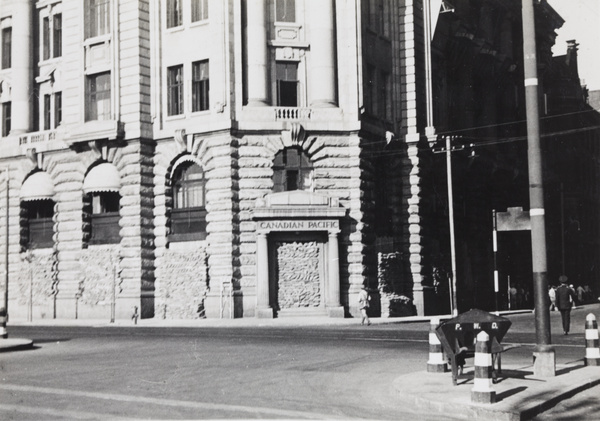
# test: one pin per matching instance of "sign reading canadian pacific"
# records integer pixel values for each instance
(299, 225)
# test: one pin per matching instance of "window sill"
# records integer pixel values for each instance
(173, 29)
(199, 23)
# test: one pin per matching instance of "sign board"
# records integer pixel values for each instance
(299, 225)
(463, 329)
(514, 219)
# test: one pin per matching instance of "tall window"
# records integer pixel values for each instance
(188, 217)
(98, 97)
(287, 84)
(98, 18)
(369, 91)
(6, 47)
(384, 96)
(47, 112)
(200, 86)
(175, 90)
(57, 109)
(199, 10)
(285, 10)
(51, 36)
(6, 118)
(57, 35)
(46, 37)
(174, 13)
(292, 170)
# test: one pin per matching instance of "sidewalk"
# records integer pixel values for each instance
(519, 394)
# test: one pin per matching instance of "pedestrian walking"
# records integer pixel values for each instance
(363, 305)
(552, 295)
(580, 294)
(564, 296)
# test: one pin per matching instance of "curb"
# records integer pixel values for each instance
(16, 344)
(519, 398)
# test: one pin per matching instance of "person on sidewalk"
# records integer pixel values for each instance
(552, 295)
(564, 295)
(363, 305)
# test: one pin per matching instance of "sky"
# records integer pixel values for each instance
(582, 23)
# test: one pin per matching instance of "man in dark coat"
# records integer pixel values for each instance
(565, 295)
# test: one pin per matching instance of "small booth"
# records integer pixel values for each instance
(297, 257)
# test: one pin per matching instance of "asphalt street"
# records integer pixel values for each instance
(311, 372)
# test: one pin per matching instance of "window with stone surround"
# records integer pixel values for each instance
(175, 90)
(292, 170)
(37, 226)
(188, 214)
(51, 35)
(47, 111)
(199, 10)
(52, 110)
(384, 97)
(6, 118)
(57, 109)
(174, 13)
(369, 89)
(98, 97)
(101, 217)
(200, 86)
(285, 10)
(97, 18)
(6, 48)
(286, 75)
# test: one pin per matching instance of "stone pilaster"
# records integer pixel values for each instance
(222, 228)
(257, 53)
(22, 42)
(415, 238)
(68, 175)
(136, 252)
(322, 54)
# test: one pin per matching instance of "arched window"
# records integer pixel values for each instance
(188, 217)
(37, 210)
(101, 205)
(292, 170)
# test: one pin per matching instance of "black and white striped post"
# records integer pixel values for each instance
(482, 391)
(495, 246)
(592, 349)
(436, 362)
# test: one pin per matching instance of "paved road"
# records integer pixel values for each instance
(150, 373)
(324, 372)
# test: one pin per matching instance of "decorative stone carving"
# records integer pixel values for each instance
(299, 280)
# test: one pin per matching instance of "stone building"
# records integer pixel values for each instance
(250, 158)
(206, 158)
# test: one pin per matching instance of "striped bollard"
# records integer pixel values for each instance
(437, 362)
(592, 350)
(482, 391)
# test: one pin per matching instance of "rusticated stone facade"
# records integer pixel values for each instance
(182, 282)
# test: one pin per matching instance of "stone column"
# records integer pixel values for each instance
(263, 309)
(414, 221)
(21, 67)
(257, 54)
(322, 54)
(334, 309)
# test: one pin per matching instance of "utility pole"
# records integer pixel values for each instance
(4, 310)
(544, 357)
